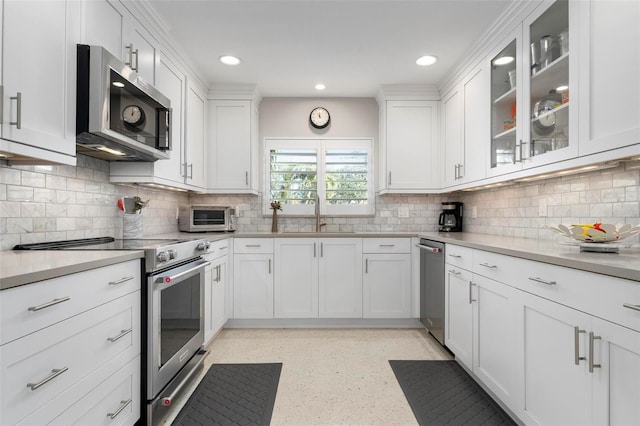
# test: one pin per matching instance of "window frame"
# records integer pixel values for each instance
(321, 145)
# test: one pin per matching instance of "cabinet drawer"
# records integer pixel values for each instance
(253, 245)
(80, 344)
(496, 266)
(458, 256)
(386, 245)
(599, 295)
(116, 401)
(24, 309)
(218, 248)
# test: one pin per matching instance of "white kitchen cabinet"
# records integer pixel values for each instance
(410, 147)
(195, 131)
(609, 93)
(466, 128)
(296, 277)
(109, 24)
(340, 278)
(495, 334)
(91, 331)
(38, 108)
(386, 291)
(616, 386)
(232, 154)
(215, 290)
(459, 314)
(253, 278)
(557, 385)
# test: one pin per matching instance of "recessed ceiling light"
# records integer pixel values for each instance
(562, 88)
(320, 86)
(503, 60)
(229, 60)
(118, 84)
(424, 61)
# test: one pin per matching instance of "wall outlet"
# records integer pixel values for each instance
(542, 207)
(474, 212)
(403, 211)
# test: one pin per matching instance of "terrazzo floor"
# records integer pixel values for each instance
(330, 376)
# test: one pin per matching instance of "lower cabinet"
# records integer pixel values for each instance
(296, 271)
(253, 286)
(458, 333)
(340, 278)
(215, 289)
(593, 367)
(555, 345)
(386, 289)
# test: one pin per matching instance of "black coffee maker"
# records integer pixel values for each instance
(451, 217)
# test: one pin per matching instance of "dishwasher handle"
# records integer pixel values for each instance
(427, 248)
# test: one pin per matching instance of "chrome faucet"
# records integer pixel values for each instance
(319, 224)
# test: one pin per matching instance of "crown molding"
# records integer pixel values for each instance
(407, 92)
(235, 92)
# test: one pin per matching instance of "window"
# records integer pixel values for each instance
(295, 166)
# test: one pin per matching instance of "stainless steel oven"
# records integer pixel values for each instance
(175, 324)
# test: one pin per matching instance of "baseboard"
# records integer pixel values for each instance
(325, 323)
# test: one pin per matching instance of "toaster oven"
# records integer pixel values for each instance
(204, 218)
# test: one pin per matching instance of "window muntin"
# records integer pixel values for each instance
(296, 166)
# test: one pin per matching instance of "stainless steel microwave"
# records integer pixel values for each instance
(119, 116)
(203, 218)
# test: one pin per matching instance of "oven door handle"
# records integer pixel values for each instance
(167, 279)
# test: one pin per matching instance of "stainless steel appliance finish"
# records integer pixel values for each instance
(432, 287)
(119, 116)
(204, 218)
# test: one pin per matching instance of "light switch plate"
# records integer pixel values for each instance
(474, 212)
(403, 211)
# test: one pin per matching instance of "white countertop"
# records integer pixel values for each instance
(29, 266)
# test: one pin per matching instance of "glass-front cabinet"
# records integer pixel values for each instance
(531, 77)
(505, 132)
(549, 83)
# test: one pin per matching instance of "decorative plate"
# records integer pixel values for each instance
(597, 232)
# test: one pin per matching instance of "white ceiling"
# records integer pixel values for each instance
(351, 46)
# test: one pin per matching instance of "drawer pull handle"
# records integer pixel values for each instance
(540, 280)
(576, 345)
(454, 272)
(48, 304)
(252, 245)
(123, 405)
(592, 365)
(54, 373)
(630, 306)
(120, 281)
(387, 245)
(223, 248)
(486, 265)
(366, 266)
(457, 256)
(120, 336)
(471, 299)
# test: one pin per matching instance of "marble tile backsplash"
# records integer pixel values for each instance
(48, 203)
(45, 203)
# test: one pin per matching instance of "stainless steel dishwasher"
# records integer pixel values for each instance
(432, 287)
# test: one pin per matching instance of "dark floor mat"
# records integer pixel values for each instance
(233, 394)
(442, 393)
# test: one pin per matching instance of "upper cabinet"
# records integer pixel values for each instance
(233, 146)
(109, 24)
(196, 148)
(465, 125)
(609, 76)
(408, 146)
(37, 107)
